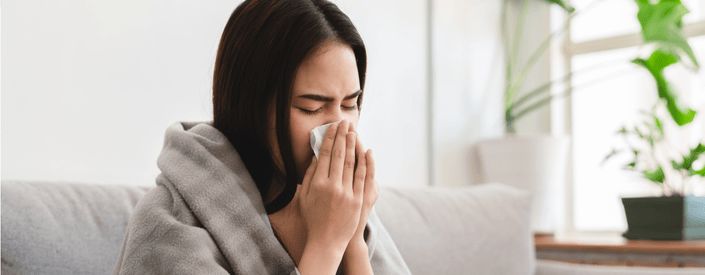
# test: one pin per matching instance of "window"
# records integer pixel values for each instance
(608, 92)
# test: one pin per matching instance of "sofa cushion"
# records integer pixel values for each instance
(482, 229)
(71, 228)
(62, 228)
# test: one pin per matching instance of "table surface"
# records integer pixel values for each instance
(617, 243)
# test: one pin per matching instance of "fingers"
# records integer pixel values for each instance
(326, 150)
(308, 177)
(370, 173)
(339, 149)
(359, 146)
(359, 183)
(349, 165)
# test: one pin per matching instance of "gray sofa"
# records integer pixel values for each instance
(73, 228)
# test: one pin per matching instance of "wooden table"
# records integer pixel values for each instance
(616, 250)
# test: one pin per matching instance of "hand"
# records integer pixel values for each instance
(356, 259)
(365, 175)
(329, 201)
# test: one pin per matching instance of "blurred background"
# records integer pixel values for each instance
(89, 87)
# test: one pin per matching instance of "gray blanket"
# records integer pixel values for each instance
(206, 216)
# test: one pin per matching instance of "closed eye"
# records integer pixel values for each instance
(309, 112)
(315, 112)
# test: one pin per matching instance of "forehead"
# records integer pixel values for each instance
(330, 70)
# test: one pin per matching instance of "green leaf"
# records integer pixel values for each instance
(662, 23)
(688, 160)
(658, 124)
(655, 176)
(655, 132)
(610, 155)
(676, 165)
(681, 115)
(563, 5)
(701, 172)
(638, 132)
(659, 60)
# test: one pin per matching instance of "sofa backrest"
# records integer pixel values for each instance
(70, 228)
(482, 229)
(64, 228)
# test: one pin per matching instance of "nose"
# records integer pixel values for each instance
(335, 116)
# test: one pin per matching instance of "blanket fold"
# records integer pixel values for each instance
(206, 216)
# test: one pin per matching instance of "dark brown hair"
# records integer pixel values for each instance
(262, 46)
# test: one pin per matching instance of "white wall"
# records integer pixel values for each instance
(393, 118)
(468, 73)
(90, 86)
(468, 77)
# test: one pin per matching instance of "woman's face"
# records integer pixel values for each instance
(325, 90)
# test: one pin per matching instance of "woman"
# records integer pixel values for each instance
(245, 194)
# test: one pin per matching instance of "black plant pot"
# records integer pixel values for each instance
(665, 218)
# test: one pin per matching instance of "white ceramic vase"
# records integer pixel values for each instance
(534, 163)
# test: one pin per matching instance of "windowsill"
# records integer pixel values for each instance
(614, 250)
(616, 243)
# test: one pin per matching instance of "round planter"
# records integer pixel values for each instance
(534, 163)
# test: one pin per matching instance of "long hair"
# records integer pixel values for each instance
(262, 46)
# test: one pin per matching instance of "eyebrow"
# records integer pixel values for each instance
(329, 99)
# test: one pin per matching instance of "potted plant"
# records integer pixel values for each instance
(676, 215)
(538, 163)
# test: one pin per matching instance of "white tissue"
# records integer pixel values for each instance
(317, 135)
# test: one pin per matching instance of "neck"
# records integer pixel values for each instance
(290, 229)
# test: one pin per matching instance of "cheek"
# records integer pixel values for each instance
(300, 140)
(300, 128)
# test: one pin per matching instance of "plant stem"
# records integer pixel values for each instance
(653, 161)
(510, 92)
(519, 29)
(684, 182)
(509, 122)
(564, 78)
(568, 91)
(652, 152)
(515, 85)
(505, 40)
